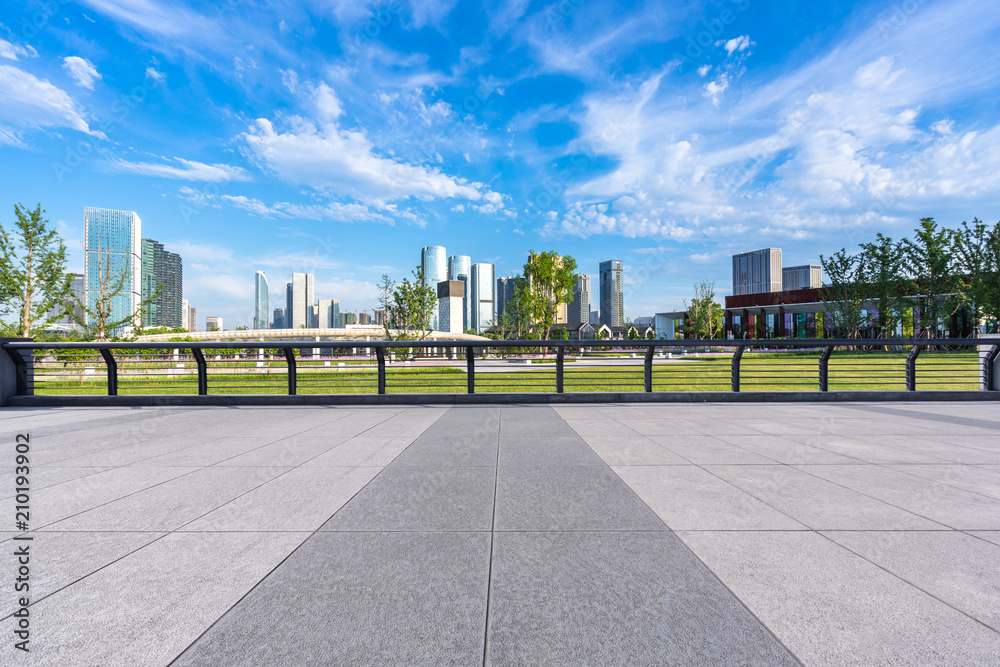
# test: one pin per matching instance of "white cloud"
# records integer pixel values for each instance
(702, 257)
(31, 103)
(704, 70)
(184, 170)
(736, 44)
(81, 70)
(14, 51)
(324, 155)
(152, 73)
(713, 89)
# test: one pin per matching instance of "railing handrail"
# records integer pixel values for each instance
(387, 344)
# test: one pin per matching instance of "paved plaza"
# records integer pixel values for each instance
(644, 534)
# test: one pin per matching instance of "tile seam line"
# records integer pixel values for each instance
(906, 581)
(708, 569)
(280, 563)
(493, 534)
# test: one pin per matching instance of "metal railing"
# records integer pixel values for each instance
(293, 367)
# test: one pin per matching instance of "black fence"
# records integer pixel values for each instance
(381, 367)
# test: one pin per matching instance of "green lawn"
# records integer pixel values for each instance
(759, 372)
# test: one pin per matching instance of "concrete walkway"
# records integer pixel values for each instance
(614, 534)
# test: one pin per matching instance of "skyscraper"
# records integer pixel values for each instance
(801, 277)
(299, 301)
(161, 270)
(261, 306)
(435, 269)
(612, 306)
(578, 310)
(186, 314)
(279, 319)
(329, 314)
(112, 240)
(504, 294)
(460, 268)
(757, 271)
(482, 299)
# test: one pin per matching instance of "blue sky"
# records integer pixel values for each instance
(340, 137)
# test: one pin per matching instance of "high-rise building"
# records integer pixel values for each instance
(299, 301)
(192, 318)
(364, 317)
(329, 314)
(261, 307)
(434, 265)
(460, 268)
(186, 315)
(379, 316)
(451, 305)
(482, 298)
(504, 294)
(79, 288)
(213, 323)
(161, 270)
(612, 302)
(757, 271)
(112, 240)
(807, 276)
(279, 319)
(348, 319)
(578, 310)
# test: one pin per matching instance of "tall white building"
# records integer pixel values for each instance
(262, 309)
(299, 301)
(482, 299)
(460, 268)
(113, 243)
(186, 315)
(434, 264)
(757, 271)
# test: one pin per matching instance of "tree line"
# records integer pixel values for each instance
(937, 272)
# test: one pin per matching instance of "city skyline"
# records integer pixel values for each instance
(668, 136)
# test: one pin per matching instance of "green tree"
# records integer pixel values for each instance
(882, 269)
(704, 312)
(550, 282)
(33, 278)
(989, 306)
(97, 319)
(843, 298)
(976, 261)
(930, 261)
(408, 307)
(559, 333)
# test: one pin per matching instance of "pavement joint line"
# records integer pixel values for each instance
(493, 532)
(278, 565)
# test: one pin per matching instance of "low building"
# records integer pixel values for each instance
(574, 331)
(213, 323)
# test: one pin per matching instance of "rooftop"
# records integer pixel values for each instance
(775, 533)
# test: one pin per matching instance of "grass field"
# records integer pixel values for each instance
(759, 372)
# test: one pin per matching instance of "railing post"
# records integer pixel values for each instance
(989, 377)
(109, 359)
(380, 357)
(911, 368)
(736, 368)
(290, 357)
(20, 371)
(824, 368)
(470, 367)
(648, 369)
(560, 358)
(199, 359)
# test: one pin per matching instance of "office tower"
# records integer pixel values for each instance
(79, 288)
(578, 310)
(364, 318)
(504, 294)
(460, 268)
(335, 314)
(451, 305)
(112, 240)
(807, 276)
(186, 315)
(192, 319)
(757, 272)
(279, 319)
(161, 270)
(435, 269)
(213, 323)
(482, 298)
(314, 317)
(612, 306)
(380, 316)
(595, 317)
(261, 305)
(299, 300)
(329, 314)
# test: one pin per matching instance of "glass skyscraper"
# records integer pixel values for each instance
(757, 272)
(578, 310)
(112, 241)
(262, 308)
(612, 306)
(434, 265)
(161, 270)
(482, 296)
(299, 301)
(460, 268)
